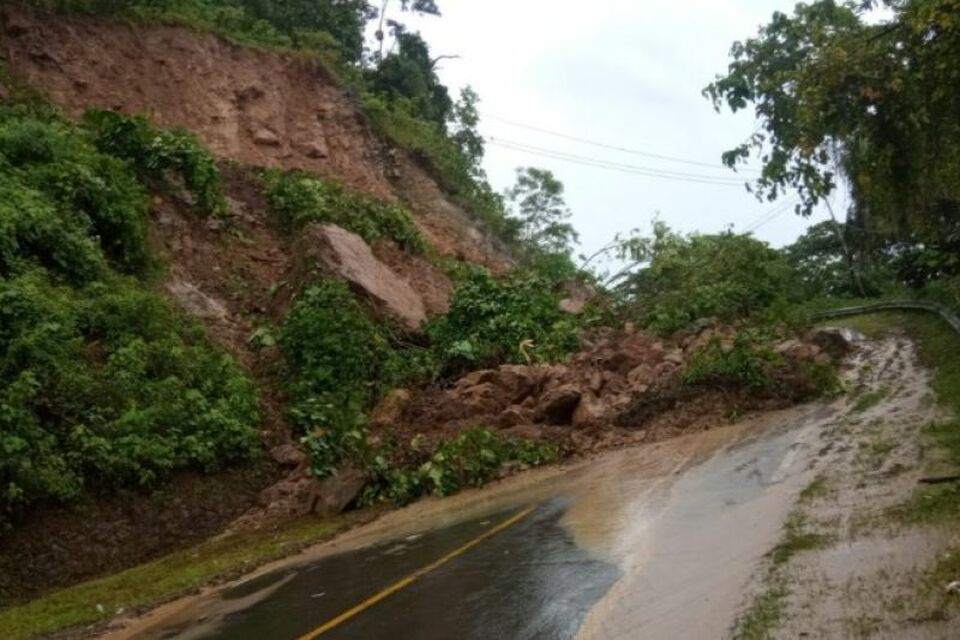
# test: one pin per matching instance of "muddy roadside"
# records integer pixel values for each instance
(868, 551)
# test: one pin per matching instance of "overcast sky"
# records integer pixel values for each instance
(624, 72)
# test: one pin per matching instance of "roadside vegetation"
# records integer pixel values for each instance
(172, 576)
(104, 384)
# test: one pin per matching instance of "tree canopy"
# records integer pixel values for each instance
(838, 94)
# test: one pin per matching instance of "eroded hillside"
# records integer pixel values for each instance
(255, 107)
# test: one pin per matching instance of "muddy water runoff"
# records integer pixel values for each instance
(657, 541)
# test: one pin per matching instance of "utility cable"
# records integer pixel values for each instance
(612, 147)
(614, 166)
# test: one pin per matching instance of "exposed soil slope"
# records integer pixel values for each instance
(256, 107)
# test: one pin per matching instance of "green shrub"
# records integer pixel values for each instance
(489, 319)
(297, 199)
(105, 386)
(681, 279)
(741, 364)
(166, 156)
(59, 195)
(469, 459)
(102, 385)
(331, 345)
(444, 159)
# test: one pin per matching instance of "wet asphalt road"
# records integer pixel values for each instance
(544, 586)
(654, 542)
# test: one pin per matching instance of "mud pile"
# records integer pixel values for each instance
(623, 386)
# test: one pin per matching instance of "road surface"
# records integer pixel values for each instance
(658, 541)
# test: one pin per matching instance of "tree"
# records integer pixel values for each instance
(409, 75)
(674, 280)
(425, 7)
(540, 212)
(345, 20)
(873, 101)
(464, 122)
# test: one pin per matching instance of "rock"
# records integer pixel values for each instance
(266, 137)
(339, 491)
(641, 376)
(390, 409)
(513, 417)
(664, 371)
(831, 341)
(196, 302)
(314, 149)
(675, 357)
(578, 294)
(557, 405)
(300, 495)
(526, 432)
(797, 350)
(590, 410)
(596, 381)
(288, 455)
(337, 252)
(482, 399)
(475, 378)
(514, 382)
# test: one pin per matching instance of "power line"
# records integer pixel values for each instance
(771, 215)
(614, 166)
(612, 147)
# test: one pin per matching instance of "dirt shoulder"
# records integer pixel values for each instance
(869, 551)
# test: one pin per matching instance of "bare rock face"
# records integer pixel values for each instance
(341, 254)
(196, 302)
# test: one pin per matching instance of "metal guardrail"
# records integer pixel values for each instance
(948, 316)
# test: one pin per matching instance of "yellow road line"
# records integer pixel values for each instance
(419, 573)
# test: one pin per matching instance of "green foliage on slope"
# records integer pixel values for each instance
(102, 384)
(298, 198)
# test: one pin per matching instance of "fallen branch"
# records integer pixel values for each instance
(939, 479)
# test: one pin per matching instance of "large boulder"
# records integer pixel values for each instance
(301, 494)
(338, 253)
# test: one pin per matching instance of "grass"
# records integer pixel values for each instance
(874, 325)
(796, 539)
(870, 399)
(875, 451)
(761, 620)
(818, 488)
(164, 579)
(938, 350)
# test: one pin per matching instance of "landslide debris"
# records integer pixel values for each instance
(622, 386)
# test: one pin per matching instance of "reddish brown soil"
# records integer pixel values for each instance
(257, 107)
